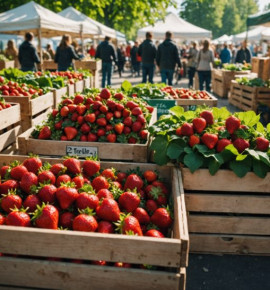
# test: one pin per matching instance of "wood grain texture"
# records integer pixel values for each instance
(10, 116)
(57, 96)
(9, 137)
(78, 86)
(70, 89)
(41, 103)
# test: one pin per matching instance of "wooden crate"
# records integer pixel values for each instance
(57, 96)
(171, 254)
(7, 64)
(227, 214)
(261, 66)
(212, 102)
(91, 65)
(32, 109)
(105, 151)
(10, 128)
(88, 82)
(71, 89)
(78, 86)
(49, 65)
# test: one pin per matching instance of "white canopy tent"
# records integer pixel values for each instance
(180, 28)
(223, 38)
(256, 34)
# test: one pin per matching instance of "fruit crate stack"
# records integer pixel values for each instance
(261, 66)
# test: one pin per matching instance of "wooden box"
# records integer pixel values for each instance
(10, 128)
(169, 253)
(261, 66)
(32, 109)
(227, 214)
(88, 82)
(78, 86)
(104, 150)
(71, 89)
(49, 65)
(58, 94)
(91, 65)
(7, 64)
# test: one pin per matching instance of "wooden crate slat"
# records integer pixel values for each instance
(10, 116)
(71, 89)
(78, 86)
(9, 137)
(58, 94)
(41, 103)
(261, 66)
(7, 64)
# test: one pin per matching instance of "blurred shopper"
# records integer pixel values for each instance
(28, 56)
(121, 59)
(147, 50)
(243, 55)
(167, 58)
(205, 60)
(65, 54)
(50, 50)
(233, 51)
(191, 65)
(225, 54)
(45, 55)
(105, 51)
(11, 52)
(92, 51)
(135, 64)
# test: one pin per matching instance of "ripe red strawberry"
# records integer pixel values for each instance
(64, 111)
(208, 116)
(78, 99)
(119, 127)
(117, 114)
(72, 108)
(210, 140)
(109, 116)
(136, 126)
(46, 176)
(119, 96)
(62, 179)
(58, 125)
(144, 134)
(232, 124)
(121, 176)
(111, 138)
(132, 140)
(105, 227)
(3, 171)
(85, 222)
(73, 165)
(222, 143)
(85, 200)
(178, 131)
(31, 202)
(58, 168)
(101, 132)
(128, 224)
(80, 120)
(109, 173)
(104, 193)
(100, 182)
(11, 201)
(157, 194)
(131, 105)
(85, 129)
(193, 140)
(66, 195)
(129, 201)
(141, 215)
(161, 218)
(262, 144)
(154, 233)
(133, 181)
(79, 181)
(150, 109)
(46, 217)
(126, 113)
(241, 144)
(33, 164)
(45, 133)
(199, 124)
(92, 137)
(91, 118)
(187, 129)
(136, 111)
(81, 109)
(162, 185)
(150, 176)
(18, 219)
(151, 205)
(28, 180)
(105, 94)
(8, 185)
(103, 109)
(67, 101)
(91, 167)
(108, 210)
(2, 220)
(47, 193)
(101, 122)
(128, 122)
(122, 265)
(70, 132)
(120, 107)
(66, 220)
(18, 171)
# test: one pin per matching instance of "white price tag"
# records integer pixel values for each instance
(81, 151)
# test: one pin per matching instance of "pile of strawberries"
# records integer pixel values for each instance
(186, 93)
(81, 196)
(105, 116)
(72, 76)
(3, 104)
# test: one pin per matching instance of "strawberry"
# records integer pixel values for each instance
(199, 124)
(11, 201)
(241, 144)
(208, 116)
(122, 265)
(193, 140)
(133, 181)
(4, 170)
(136, 126)
(80, 120)
(47, 193)
(262, 144)
(45, 133)
(66, 220)
(105, 227)
(85, 129)
(151, 205)
(128, 224)
(187, 129)
(2, 220)
(18, 219)
(91, 118)
(132, 140)
(33, 164)
(131, 105)
(62, 179)
(31, 202)
(109, 116)
(210, 140)
(28, 180)
(222, 143)
(136, 111)
(117, 114)
(58, 168)
(109, 173)
(178, 131)
(85, 222)
(73, 165)
(161, 218)
(100, 182)
(79, 181)
(129, 201)
(119, 127)
(144, 134)
(18, 171)
(67, 101)
(46, 217)
(150, 175)
(70, 132)
(108, 210)
(105, 94)
(72, 108)
(83, 138)
(119, 96)
(126, 113)
(78, 99)
(111, 138)
(120, 107)
(46, 176)
(8, 185)
(81, 109)
(104, 193)
(92, 137)
(64, 111)
(85, 200)
(101, 132)
(157, 194)
(141, 215)
(91, 167)
(232, 124)
(154, 233)
(66, 194)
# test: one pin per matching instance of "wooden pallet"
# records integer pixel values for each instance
(105, 151)
(261, 66)
(7, 64)
(58, 94)
(170, 254)
(227, 214)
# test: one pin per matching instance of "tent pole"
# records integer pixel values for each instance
(81, 35)
(40, 48)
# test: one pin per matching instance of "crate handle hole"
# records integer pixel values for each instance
(227, 239)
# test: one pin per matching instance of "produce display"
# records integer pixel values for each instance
(256, 82)
(3, 58)
(212, 138)
(3, 104)
(237, 66)
(98, 116)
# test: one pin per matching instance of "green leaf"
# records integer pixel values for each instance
(126, 86)
(253, 153)
(268, 127)
(220, 113)
(232, 149)
(249, 118)
(177, 111)
(159, 145)
(193, 161)
(241, 168)
(241, 157)
(189, 115)
(176, 148)
(188, 150)
(260, 168)
(264, 158)
(214, 165)
(260, 127)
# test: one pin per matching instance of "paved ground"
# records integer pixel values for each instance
(213, 272)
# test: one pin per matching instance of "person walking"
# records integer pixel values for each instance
(28, 56)
(65, 53)
(225, 54)
(135, 64)
(167, 58)
(148, 51)
(121, 58)
(50, 50)
(243, 55)
(205, 60)
(11, 52)
(105, 51)
(191, 65)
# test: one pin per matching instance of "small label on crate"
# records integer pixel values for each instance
(82, 151)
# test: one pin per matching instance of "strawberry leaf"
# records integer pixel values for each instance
(241, 168)
(193, 161)
(249, 118)
(260, 168)
(220, 113)
(177, 111)
(176, 148)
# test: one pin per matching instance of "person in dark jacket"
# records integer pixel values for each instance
(167, 58)
(121, 59)
(225, 54)
(28, 54)
(148, 51)
(243, 54)
(135, 64)
(65, 53)
(105, 51)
